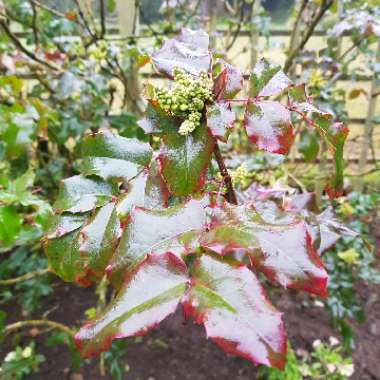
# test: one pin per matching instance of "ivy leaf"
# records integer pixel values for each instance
(148, 229)
(268, 125)
(188, 52)
(148, 295)
(283, 252)
(229, 300)
(184, 159)
(228, 82)
(220, 119)
(267, 79)
(81, 194)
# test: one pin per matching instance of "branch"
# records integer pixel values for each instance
(34, 25)
(27, 52)
(326, 4)
(102, 18)
(39, 322)
(24, 277)
(231, 195)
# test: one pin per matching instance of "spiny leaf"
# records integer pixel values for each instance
(148, 295)
(107, 144)
(81, 194)
(229, 300)
(188, 52)
(282, 251)
(220, 119)
(228, 82)
(185, 159)
(268, 126)
(148, 229)
(267, 79)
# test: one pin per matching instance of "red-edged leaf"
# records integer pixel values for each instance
(229, 300)
(98, 240)
(188, 52)
(148, 230)
(228, 82)
(185, 159)
(148, 295)
(283, 252)
(220, 119)
(268, 125)
(267, 79)
(339, 133)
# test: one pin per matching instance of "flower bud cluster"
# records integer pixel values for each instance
(186, 99)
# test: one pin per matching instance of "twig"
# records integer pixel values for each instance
(34, 25)
(191, 14)
(231, 195)
(237, 31)
(102, 18)
(21, 47)
(24, 277)
(326, 4)
(38, 322)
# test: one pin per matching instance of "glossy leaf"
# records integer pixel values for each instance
(229, 300)
(220, 119)
(188, 52)
(148, 295)
(184, 160)
(81, 194)
(148, 229)
(283, 252)
(267, 79)
(228, 82)
(107, 144)
(98, 239)
(268, 126)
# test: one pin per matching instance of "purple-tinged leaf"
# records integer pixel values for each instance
(228, 82)
(267, 79)
(184, 160)
(188, 52)
(147, 296)
(220, 119)
(268, 125)
(148, 229)
(81, 194)
(283, 252)
(229, 300)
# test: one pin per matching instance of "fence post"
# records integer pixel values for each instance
(368, 127)
(128, 16)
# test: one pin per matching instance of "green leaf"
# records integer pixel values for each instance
(148, 295)
(185, 160)
(309, 145)
(99, 238)
(107, 144)
(283, 252)
(10, 225)
(148, 230)
(220, 119)
(81, 194)
(229, 300)
(267, 79)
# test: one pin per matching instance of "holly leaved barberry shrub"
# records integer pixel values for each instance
(146, 220)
